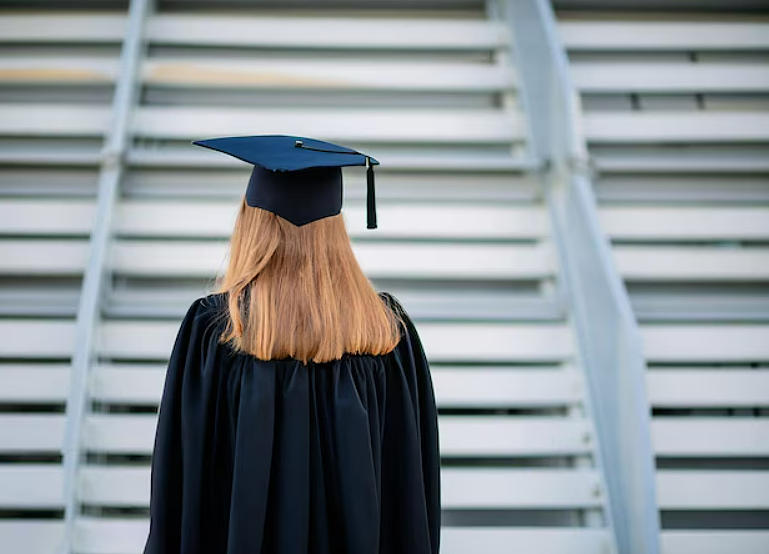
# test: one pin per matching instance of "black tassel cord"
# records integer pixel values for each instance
(370, 196)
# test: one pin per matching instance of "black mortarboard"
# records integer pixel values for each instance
(297, 178)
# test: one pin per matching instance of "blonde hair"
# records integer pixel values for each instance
(299, 292)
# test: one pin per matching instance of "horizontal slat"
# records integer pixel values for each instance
(28, 486)
(127, 384)
(149, 218)
(275, 32)
(31, 536)
(455, 387)
(724, 387)
(46, 217)
(713, 489)
(43, 257)
(119, 536)
(310, 74)
(459, 435)
(439, 221)
(120, 433)
(36, 339)
(116, 536)
(51, 70)
(34, 384)
(353, 124)
(379, 260)
(326, 32)
(381, 125)
(706, 343)
(692, 263)
(406, 221)
(673, 223)
(444, 342)
(73, 120)
(49, 300)
(714, 303)
(115, 486)
(663, 35)
(39, 485)
(75, 158)
(29, 433)
(449, 342)
(645, 76)
(460, 488)
(401, 220)
(205, 259)
(461, 387)
(328, 74)
(710, 436)
(672, 126)
(61, 27)
(521, 488)
(552, 540)
(706, 541)
(514, 436)
(679, 162)
(701, 306)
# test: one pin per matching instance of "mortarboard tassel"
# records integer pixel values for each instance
(370, 199)
(370, 196)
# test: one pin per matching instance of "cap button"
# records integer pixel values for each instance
(298, 143)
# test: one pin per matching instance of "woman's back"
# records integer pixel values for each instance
(263, 456)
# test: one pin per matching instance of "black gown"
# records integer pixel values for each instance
(260, 457)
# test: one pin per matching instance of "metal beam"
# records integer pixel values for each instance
(95, 280)
(609, 341)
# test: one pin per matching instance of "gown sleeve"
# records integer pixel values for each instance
(166, 483)
(422, 399)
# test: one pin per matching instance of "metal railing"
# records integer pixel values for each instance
(609, 340)
(95, 279)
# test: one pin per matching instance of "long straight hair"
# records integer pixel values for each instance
(299, 292)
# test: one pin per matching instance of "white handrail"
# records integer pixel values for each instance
(93, 288)
(609, 340)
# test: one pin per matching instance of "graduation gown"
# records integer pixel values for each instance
(261, 457)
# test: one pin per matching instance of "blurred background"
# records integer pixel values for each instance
(573, 205)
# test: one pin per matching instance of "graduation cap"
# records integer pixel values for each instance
(297, 178)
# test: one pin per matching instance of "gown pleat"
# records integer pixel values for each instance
(263, 457)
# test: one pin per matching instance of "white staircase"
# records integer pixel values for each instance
(463, 240)
(676, 115)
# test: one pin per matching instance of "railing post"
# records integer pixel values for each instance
(609, 340)
(95, 278)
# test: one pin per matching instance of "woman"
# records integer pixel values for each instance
(298, 413)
